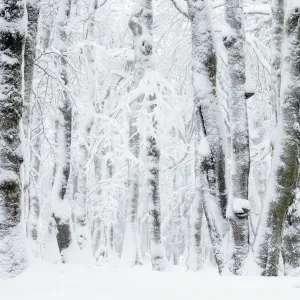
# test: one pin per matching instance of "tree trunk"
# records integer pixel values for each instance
(158, 258)
(60, 206)
(129, 252)
(86, 122)
(34, 190)
(291, 239)
(239, 205)
(12, 41)
(277, 28)
(285, 165)
(33, 11)
(212, 163)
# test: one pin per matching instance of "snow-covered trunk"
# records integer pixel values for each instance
(277, 28)
(110, 228)
(34, 188)
(96, 232)
(212, 163)
(12, 42)
(33, 11)
(291, 239)
(157, 252)
(239, 205)
(285, 164)
(195, 258)
(86, 122)
(129, 251)
(60, 206)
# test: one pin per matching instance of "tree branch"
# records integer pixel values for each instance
(182, 7)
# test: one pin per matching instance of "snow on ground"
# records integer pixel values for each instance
(70, 282)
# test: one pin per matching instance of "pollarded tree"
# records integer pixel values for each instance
(285, 164)
(12, 42)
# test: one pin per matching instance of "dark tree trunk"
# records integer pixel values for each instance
(12, 42)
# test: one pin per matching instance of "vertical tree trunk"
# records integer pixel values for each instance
(195, 258)
(212, 163)
(34, 188)
(277, 28)
(33, 11)
(86, 121)
(291, 239)
(285, 165)
(12, 41)
(60, 206)
(158, 258)
(129, 252)
(240, 153)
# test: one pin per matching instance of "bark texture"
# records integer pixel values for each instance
(277, 28)
(240, 154)
(33, 11)
(212, 161)
(61, 207)
(12, 41)
(86, 120)
(285, 165)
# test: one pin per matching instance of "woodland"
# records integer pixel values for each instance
(160, 133)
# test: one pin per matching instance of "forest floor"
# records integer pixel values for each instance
(43, 281)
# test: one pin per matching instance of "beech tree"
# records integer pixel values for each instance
(33, 11)
(285, 164)
(148, 128)
(234, 41)
(61, 211)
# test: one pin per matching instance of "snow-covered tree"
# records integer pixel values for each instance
(13, 255)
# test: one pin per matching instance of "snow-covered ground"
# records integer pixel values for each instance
(70, 282)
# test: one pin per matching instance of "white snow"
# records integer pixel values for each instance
(240, 204)
(64, 282)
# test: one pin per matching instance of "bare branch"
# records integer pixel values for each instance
(182, 7)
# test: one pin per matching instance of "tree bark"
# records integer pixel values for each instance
(33, 11)
(285, 165)
(12, 42)
(277, 28)
(61, 211)
(291, 239)
(212, 162)
(86, 122)
(239, 205)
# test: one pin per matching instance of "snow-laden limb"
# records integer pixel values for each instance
(285, 164)
(208, 122)
(234, 39)
(13, 258)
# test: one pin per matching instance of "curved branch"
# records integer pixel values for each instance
(182, 7)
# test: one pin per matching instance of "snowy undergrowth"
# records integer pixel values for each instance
(64, 282)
